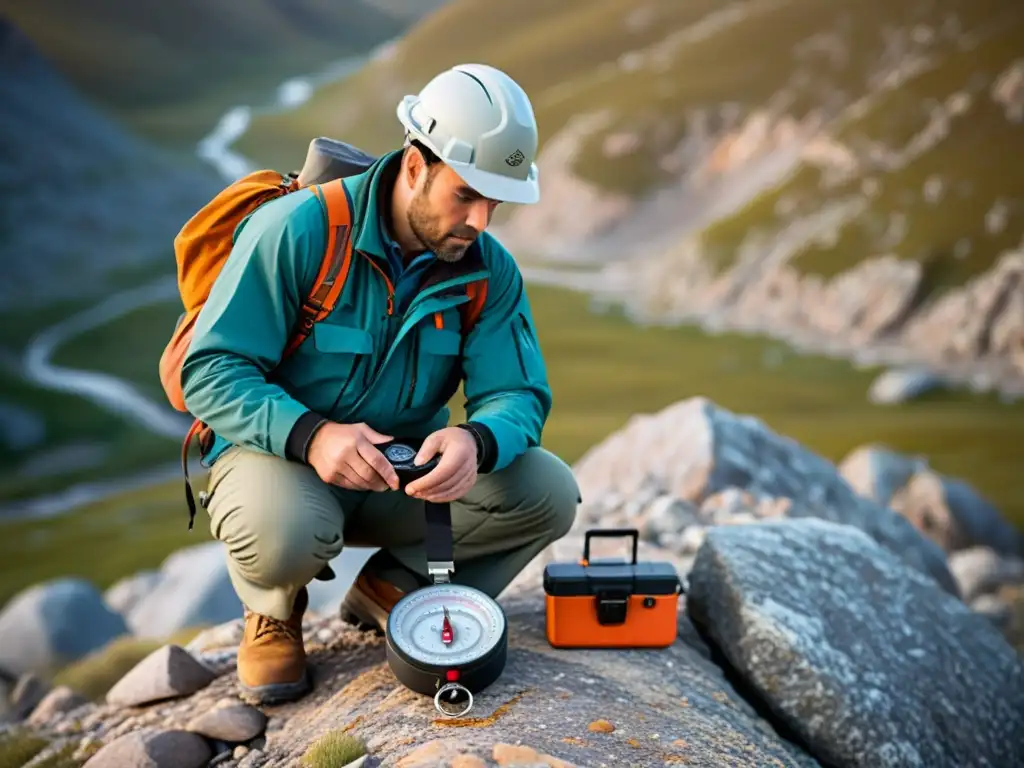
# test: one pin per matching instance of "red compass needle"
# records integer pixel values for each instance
(447, 633)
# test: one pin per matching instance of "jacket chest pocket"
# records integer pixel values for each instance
(435, 366)
(344, 355)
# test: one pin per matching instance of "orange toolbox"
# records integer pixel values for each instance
(611, 603)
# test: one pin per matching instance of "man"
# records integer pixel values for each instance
(296, 472)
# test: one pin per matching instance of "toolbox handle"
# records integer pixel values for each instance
(610, 533)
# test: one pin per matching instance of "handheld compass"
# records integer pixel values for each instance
(444, 640)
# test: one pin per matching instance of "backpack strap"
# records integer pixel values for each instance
(334, 266)
(330, 280)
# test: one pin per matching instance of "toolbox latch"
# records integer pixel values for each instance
(611, 607)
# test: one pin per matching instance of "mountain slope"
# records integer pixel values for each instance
(170, 68)
(81, 195)
(743, 149)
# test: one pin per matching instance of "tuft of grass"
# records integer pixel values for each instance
(335, 749)
(96, 674)
(18, 746)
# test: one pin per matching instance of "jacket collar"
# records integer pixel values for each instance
(370, 195)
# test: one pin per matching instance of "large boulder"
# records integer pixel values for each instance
(193, 589)
(947, 510)
(694, 450)
(54, 623)
(864, 659)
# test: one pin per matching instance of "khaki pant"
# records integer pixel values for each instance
(281, 524)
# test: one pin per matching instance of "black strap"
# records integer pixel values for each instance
(439, 539)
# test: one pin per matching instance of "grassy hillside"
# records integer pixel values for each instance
(674, 79)
(902, 87)
(816, 400)
(170, 69)
(929, 159)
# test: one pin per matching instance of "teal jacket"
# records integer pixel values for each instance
(395, 372)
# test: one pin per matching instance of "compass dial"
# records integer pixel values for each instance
(417, 625)
(398, 453)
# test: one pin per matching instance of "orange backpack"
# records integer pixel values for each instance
(204, 244)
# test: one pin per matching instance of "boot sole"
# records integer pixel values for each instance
(276, 693)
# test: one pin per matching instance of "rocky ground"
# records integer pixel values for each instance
(857, 615)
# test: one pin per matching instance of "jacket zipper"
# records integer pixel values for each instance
(387, 282)
(415, 369)
(384, 359)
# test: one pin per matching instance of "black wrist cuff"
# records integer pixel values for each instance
(296, 447)
(486, 445)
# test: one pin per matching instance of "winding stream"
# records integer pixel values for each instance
(116, 395)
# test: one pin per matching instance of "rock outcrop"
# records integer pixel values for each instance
(785, 602)
(696, 456)
(819, 627)
(49, 625)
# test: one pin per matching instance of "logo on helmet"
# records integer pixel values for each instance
(516, 158)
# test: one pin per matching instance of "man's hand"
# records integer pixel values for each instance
(345, 455)
(455, 473)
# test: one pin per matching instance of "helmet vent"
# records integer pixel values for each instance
(482, 86)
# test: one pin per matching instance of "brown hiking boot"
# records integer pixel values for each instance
(369, 602)
(272, 657)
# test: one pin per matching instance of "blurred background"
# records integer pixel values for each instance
(803, 210)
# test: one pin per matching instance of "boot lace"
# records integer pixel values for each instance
(267, 626)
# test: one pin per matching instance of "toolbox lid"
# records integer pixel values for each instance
(643, 578)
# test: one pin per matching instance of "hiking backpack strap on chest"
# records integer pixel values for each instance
(323, 295)
(334, 267)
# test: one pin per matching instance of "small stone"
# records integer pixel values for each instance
(431, 754)
(509, 754)
(154, 749)
(29, 691)
(234, 723)
(222, 636)
(167, 672)
(58, 701)
(600, 726)
(240, 751)
(254, 758)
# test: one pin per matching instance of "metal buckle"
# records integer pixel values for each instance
(441, 572)
(611, 607)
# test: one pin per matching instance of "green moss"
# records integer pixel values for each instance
(18, 746)
(335, 749)
(62, 758)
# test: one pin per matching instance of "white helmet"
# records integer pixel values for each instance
(479, 121)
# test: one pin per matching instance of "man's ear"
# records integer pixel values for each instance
(412, 165)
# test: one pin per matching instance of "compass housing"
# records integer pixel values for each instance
(423, 662)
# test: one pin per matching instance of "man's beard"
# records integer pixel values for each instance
(427, 230)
